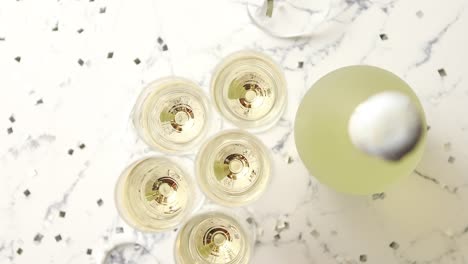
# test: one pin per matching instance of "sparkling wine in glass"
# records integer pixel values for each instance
(214, 237)
(249, 89)
(155, 194)
(172, 115)
(233, 168)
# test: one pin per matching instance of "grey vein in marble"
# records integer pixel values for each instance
(435, 40)
(449, 189)
(62, 203)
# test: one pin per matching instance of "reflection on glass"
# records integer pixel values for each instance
(154, 194)
(249, 89)
(233, 168)
(172, 114)
(213, 237)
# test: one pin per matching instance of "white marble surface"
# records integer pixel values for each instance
(57, 105)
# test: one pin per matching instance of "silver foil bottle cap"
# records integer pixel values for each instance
(172, 114)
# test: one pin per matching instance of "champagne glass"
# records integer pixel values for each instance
(249, 89)
(155, 194)
(233, 168)
(288, 18)
(172, 115)
(216, 237)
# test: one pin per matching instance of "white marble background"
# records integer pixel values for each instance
(50, 105)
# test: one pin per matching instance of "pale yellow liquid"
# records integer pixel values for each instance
(249, 89)
(154, 194)
(321, 131)
(213, 237)
(171, 114)
(233, 168)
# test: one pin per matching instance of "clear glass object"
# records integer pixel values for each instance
(172, 114)
(213, 237)
(129, 253)
(289, 18)
(233, 168)
(323, 141)
(249, 89)
(155, 194)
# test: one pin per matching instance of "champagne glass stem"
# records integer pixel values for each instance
(270, 6)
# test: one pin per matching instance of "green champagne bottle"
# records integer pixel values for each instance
(322, 135)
